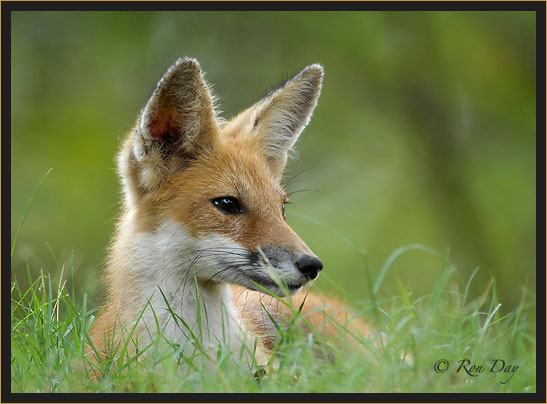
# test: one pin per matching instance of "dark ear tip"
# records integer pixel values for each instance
(314, 72)
(185, 63)
(185, 66)
(316, 68)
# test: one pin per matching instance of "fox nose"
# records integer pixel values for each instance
(309, 266)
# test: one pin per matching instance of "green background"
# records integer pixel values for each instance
(424, 133)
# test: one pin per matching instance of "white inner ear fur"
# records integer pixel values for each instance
(154, 167)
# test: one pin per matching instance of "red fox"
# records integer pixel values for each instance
(203, 220)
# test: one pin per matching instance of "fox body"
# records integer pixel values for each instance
(203, 218)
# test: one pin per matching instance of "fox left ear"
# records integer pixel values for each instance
(283, 114)
(177, 123)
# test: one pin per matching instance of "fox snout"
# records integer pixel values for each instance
(294, 269)
(307, 264)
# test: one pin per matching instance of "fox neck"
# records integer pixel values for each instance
(150, 277)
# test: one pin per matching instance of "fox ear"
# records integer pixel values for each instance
(177, 122)
(283, 114)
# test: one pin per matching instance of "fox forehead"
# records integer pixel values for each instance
(232, 168)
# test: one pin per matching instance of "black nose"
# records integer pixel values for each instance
(309, 266)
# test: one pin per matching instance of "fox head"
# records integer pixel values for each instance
(207, 192)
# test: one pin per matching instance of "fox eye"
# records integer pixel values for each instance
(228, 204)
(284, 212)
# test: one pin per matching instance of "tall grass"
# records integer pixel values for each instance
(410, 335)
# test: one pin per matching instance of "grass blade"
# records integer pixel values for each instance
(391, 259)
(26, 211)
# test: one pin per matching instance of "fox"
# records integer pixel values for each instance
(202, 227)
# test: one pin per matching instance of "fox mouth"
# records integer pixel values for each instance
(257, 277)
(260, 283)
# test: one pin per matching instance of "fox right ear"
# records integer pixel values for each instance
(282, 115)
(178, 122)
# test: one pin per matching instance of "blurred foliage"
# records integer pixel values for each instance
(424, 132)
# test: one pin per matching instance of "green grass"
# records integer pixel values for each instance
(50, 325)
